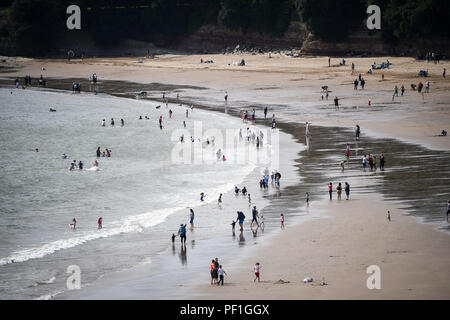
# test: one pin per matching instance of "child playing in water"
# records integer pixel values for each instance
(257, 269)
(74, 224)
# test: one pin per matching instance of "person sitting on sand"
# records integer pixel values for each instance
(444, 133)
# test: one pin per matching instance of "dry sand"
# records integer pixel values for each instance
(356, 234)
(414, 258)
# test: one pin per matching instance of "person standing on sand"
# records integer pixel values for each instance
(381, 161)
(213, 271)
(339, 191)
(347, 190)
(282, 221)
(307, 199)
(330, 190)
(336, 102)
(444, 72)
(448, 208)
(221, 275)
(257, 269)
(265, 112)
(226, 96)
(329, 62)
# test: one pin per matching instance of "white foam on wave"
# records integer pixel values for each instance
(134, 223)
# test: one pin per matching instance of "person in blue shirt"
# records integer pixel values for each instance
(182, 233)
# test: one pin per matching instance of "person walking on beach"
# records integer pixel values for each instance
(402, 89)
(219, 201)
(330, 190)
(202, 196)
(255, 217)
(122, 122)
(347, 190)
(213, 271)
(191, 218)
(226, 96)
(241, 218)
(282, 221)
(389, 215)
(221, 275)
(364, 161)
(307, 199)
(381, 161)
(357, 131)
(339, 190)
(444, 72)
(257, 269)
(182, 233)
(265, 112)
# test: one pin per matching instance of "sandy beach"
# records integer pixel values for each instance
(345, 237)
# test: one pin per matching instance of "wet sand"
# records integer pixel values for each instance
(355, 233)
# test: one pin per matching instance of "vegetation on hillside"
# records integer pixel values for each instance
(33, 25)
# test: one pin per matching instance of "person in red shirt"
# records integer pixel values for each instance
(330, 190)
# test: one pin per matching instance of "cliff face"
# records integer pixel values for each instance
(218, 39)
(360, 42)
(212, 38)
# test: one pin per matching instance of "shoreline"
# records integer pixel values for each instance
(304, 232)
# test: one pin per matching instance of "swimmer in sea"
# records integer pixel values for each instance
(236, 190)
(96, 164)
(74, 224)
(64, 156)
(80, 165)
